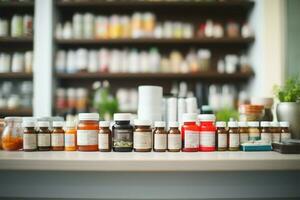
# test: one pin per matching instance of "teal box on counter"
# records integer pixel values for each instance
(256, 146)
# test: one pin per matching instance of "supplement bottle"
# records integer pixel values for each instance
(142, 136)
(87, 132)
(43, 136)
(29, 136)
(57, 136)
(207, 132)
(190, 133)
(159, 137)
(174, 137)
(222, 136)
(233, 136)
(104, 137)
(276, 131)
(285, 131)
(70, 136)
(254, 132)
(265, 132)
(244, 132)
(122, 133)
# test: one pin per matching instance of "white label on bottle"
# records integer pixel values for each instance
(69, 140)
(142, 140)
(191, 139)
(44, 140)
(276, 137)
(174, 141)
(87, 137)
(234, 140)
(266, 137)
(222, 141)
(254, 136)
(285, 136)
(103, 141)
(29, 141)
(160, 141)
(244, 137)
(207, 139)
(57, 140)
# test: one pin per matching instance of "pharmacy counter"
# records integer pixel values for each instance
(95, 175)
(97, 161)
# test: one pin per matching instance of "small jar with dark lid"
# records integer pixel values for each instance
(29, 136)
(222, 136)
(234, 136)
(244, 132)
(265, 132)
(122, 133)
(57, 136)
(276, 131)
(44, 137)
(285, 131)
(160, 137)
(104, 137)
(174, 137)
(142, 136)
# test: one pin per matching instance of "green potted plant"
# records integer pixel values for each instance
(288, 109)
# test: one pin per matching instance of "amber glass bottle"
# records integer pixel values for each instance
(160, 137)
(57, 136)
(104, 137)
(221, 136)
(44, 137)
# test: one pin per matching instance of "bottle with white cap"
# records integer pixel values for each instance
(87, 132)
(174, 137)
(190, 133)
(222, 136)
(265, 132)
(244, 132)
(207, 132)
(44, 137)
(29, 136)
(285, 131)
(142, 136)
(160, 137)
(276, 131)
(122, 133)
(57, 136)
(234, 136)
(104, 136)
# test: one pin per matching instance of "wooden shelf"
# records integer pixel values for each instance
(136, 76)
(15, 112)
(15, 75)
(16, 39)
(154, 41)
(12, 4)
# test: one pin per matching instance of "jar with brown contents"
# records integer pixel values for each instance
(174, 137)
(142, 136)
(222, 136)
(104, 137)
(44, 138)
(29, 136)
(160, 137)
(276, 131)
(234, 137)
(244, 132)
(57, 136)
(285, 131)
(265, 132)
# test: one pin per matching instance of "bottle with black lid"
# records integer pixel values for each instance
(122, 133)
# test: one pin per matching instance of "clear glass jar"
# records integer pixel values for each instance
(12, 137)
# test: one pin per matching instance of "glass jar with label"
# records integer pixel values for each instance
(122, 133)
(254, 133)
(70, 136)
(190, 133)
(174, 137)
(29, 136)
(234, 136)
(44, 137)
(160, 137)
(244, 132)
(207, 132)
(12, 136)
(222, 136)
(142, 136)
(276, 131)
(104, 137)
(87, 132)
(57, 136)
(285, 131)
(265, 132)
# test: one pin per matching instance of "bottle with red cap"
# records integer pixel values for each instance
(190, 133)
(207, 132)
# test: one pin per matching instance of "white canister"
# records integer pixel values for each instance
(60, 61)
(71, 62)
(28, 58)
(4, 63)
(67, 32)
(103, 59)
(77, 26)
(82, 59)
(3, 28)
(27, 25)
(181, 109)
(93, 61)
(17, 26)
(58, 31)
(172, 109)
(191, 105)
(17, 64)
(88, 26)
